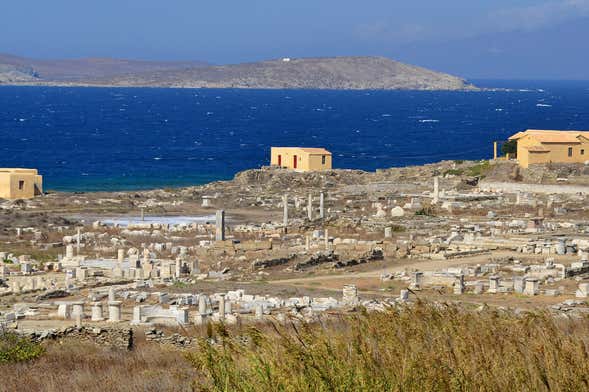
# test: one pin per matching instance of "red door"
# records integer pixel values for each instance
(295, 161)
(279, 160)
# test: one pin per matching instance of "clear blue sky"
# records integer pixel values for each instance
(473, 38)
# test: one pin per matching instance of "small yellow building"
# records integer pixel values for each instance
(20, 183)
(541, 146)
(301, 158)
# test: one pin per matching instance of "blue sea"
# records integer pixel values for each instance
(87, 139)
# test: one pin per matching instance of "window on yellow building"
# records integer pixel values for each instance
(21, 185)
(323, 159)
(570, 151)
(582, 152)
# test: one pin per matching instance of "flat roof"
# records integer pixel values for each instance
(16, 170)
(310, 150)
(552, 136)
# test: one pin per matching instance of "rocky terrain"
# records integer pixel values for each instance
(15, 74)
(83, 70)
(345, 73)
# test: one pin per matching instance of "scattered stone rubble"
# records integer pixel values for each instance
(117, 269)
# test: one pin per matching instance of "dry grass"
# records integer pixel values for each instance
(74, 366)
(425, 348)
(421, 348)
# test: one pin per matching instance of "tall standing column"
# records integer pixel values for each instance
(310, 207)
(321, 206)
(69, 252)
(202, 304)
(436, 197)
(78, 242)
(259, 310)
(220, 226)
(201, 316)
(120, 255)
(222, 307)
(285, 211)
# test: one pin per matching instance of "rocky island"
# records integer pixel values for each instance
(338, 73)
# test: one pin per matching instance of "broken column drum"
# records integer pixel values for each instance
(114, 311)
(494, 284)
(531, 286)
(97, 311)
(416, 281)
(77, 309)
(350, 294)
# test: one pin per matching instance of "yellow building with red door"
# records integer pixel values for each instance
(301, 158)
(546, 146)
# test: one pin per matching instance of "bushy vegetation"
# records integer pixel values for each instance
(14, 348)
(426, 211)
(454, 172)
(479, 170)
(509, 147)
(424, 348)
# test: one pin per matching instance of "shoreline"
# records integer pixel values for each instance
(162, 86)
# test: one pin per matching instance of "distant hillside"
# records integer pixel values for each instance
(346, 73)
(15, 74)
(88, 69)
(350, 73)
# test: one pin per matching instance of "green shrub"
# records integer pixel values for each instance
(14, 348)
(509, 147)
(479, 170)
(425, 211)
(454, 172)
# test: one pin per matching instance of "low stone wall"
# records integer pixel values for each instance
(157, 336)
(121, 338)
(512, 187)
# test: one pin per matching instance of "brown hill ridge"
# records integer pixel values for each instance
(339, 73)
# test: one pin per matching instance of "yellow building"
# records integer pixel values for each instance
(301, 158)
(20, 183)
(539, 146)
